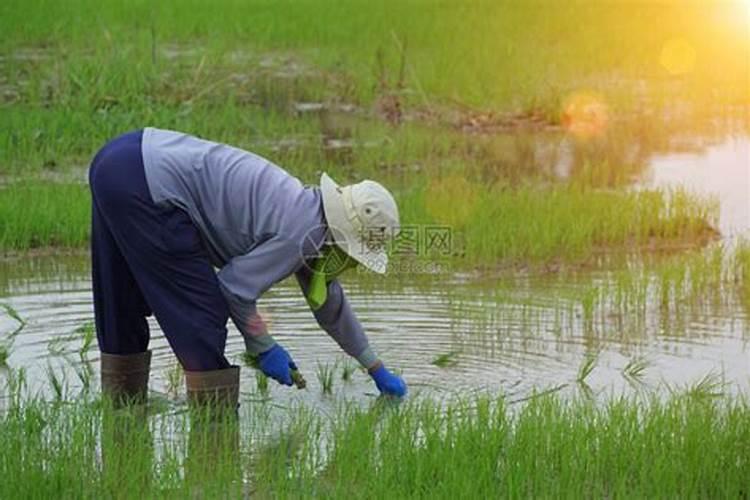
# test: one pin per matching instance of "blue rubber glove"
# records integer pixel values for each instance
(277, 364)
(387, 382)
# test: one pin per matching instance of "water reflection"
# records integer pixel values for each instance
(510, 337)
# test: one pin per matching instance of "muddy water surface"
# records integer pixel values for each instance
(511, 337)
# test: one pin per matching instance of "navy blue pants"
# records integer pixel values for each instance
(149, 258)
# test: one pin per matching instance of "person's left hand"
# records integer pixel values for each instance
(388, 383)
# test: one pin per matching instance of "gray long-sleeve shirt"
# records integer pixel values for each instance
(257, 222)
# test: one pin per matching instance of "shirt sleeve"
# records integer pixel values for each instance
(337, 318)
(246, 277)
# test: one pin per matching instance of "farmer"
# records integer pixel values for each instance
(169, 209)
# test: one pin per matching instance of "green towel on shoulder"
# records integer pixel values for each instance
(332, 262)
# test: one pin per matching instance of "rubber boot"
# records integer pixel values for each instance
(125, 377)
(218, 389)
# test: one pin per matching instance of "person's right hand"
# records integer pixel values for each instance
(277, 364)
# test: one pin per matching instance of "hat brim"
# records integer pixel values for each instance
(345, 234)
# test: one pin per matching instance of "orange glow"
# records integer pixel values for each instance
(585, 115)
(678, 56)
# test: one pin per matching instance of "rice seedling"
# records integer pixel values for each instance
(58, 384)
(446, 360)
(251, 360)
(5, 349)
(635, 369)
(16, 384)
(261, 382)
(10, 311)
(347, 370)
(182, 74)
(87, 332)
(53, 214)
(325, 373)
(710, 386)
(588, 364)
(174, 377)
(479, 448)
(85, 374)
(56, 345)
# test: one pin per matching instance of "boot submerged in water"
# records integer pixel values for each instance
(217, 389)
(124, 377)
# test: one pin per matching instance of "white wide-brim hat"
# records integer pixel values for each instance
(362, 218)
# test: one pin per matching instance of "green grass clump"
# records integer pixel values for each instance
(5, 350)
(325, 373)
(588, 364)
(685, 446)
(558, 222)
(40, 214)
(497, 224)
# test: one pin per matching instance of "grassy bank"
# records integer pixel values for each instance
(524, 224)
(37, 214)
(691, 445)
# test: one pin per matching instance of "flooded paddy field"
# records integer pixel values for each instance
(678, 320)
(584, 333)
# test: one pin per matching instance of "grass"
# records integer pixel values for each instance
(347, 370)
(10, 311)
(684, 446)
(87, 334)
(563, 222)
(73, 82)
(538, 224)
(41, 214)
(635, 369)
(326, 374)
(174, 377)
(6, 348)
(588, 364)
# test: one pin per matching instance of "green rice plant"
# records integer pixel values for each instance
(325, 373)
(174, 377)
(445, 360)
(587, 366)
(58, 384)
(85, 374)
(6, 348)
(347, 370)
(560, 222)
(10, 311)
(185, 78)
(478, 448)
(261, 382)
(249, 359)
(87, 333)
(56, 345)
(16, 384)
(37, 214)
(710, 386)
(635, 369)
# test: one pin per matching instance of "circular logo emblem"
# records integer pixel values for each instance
(316, 245)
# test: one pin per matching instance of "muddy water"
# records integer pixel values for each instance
(510, 337)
